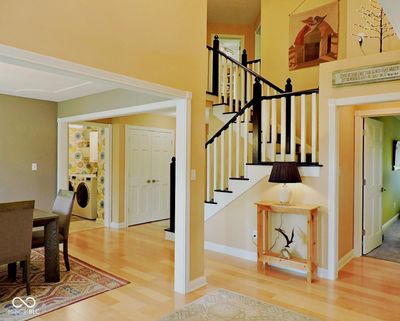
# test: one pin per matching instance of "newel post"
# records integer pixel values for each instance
(288, 89)
(215, 71)
(257, 131)
(172, 172)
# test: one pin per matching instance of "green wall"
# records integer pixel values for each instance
(391, 179)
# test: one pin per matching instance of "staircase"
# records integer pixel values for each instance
(262, 124)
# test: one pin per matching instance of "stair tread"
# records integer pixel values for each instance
(306, 164)
(230, 113)
(220, 104)
(223, 191)
(210, 202)
(239, 178)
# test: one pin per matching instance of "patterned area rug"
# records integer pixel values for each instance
(224, 305)
(82, 282)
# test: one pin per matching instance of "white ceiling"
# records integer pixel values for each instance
(233, 11)
(32, 83)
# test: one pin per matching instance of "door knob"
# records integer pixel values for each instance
(383, 189)
(155, 181)
(148, 181)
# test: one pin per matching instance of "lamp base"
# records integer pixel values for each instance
(284, 195)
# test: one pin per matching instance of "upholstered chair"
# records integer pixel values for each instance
(63, 207)
(16, 220)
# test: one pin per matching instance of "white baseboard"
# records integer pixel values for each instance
(345, 259)
(169, 236)
(197, 283)
(390, 222)
(117, 225)
(252, 256)
(232, 251)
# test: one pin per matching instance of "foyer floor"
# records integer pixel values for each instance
(367, 289)
(390, 248)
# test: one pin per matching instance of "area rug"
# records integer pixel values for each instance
(224, 305)
(81, 282)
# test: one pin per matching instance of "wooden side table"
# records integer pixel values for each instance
(264, 209)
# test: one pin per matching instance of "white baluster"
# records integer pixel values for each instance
(246, 140)
(248, 88)
(210, 69)
(230, 129)
(221, 78)
(273, 129)
(237, 147)
(230, 86)
(314, 128)
(268, 117)
(303, 130)
(222, 183)
(208, 173)
(215, 143)
(243, 99)
(224, 81)
(293, 129)
(283, 128)
(263, 126)
(236, 92)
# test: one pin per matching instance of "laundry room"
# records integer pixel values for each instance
(86, 174)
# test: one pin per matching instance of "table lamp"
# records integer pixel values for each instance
(284, 172)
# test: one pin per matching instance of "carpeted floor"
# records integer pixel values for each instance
(390, 249)
(82, 282)
(224, 305)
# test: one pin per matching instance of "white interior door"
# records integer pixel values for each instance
(139, 188)
(373, 139)
(148, 156)
(161, 153)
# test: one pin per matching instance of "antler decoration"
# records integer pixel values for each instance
(288, 241)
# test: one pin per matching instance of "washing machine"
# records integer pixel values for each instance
(85, 188)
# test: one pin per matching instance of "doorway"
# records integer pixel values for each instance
(381, 199)
(148, 152)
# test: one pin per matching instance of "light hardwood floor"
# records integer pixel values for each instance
(367, 289)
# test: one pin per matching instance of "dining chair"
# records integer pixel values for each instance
(16, 220)
(63, 207)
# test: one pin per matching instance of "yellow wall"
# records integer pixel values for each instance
(327, 92)
(247, 31)
(346, 179)
(119, 123)
(275, 42)
(275, 39)
(117, 36)
(370, 46)
(25, 140)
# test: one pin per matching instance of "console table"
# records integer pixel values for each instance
(266, 208)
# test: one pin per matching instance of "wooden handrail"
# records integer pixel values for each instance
(251, 102)
(273, 86)
(293, 93)
(253, 61)
(232, 120)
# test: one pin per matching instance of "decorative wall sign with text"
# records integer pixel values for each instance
(366, 75)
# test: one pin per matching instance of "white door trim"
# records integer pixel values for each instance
(333, 182)
(179, 99)
(155, 129)
(182, 150)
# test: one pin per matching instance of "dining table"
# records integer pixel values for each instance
(49, 221)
